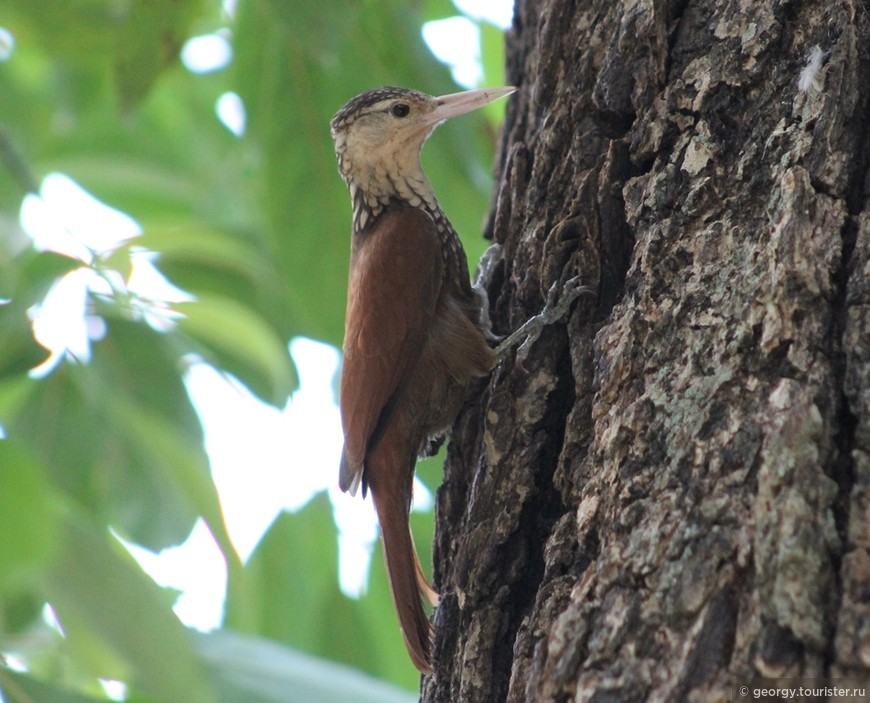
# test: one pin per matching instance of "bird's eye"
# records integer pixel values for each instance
(400, 110)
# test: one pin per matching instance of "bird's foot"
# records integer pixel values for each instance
(558, 303)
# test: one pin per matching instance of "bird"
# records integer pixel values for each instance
(416, 332)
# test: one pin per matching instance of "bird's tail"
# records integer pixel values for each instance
(407, 582)
(429, 593)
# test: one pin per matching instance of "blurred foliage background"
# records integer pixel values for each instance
(255, 228)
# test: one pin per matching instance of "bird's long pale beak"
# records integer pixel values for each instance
(448, 106)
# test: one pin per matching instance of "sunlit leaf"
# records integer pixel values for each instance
(257, 671)
(24, 281)
(241, 342)
(96, 582)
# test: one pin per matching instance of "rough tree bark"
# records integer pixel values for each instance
(671, 495)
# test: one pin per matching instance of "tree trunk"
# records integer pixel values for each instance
(670, 497)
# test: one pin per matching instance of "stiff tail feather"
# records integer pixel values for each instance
(406, 580)
(426, 590)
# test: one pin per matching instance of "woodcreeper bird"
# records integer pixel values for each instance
(414, 333)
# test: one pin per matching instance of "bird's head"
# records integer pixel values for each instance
(379, 134)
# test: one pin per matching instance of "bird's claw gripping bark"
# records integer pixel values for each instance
(558, 303)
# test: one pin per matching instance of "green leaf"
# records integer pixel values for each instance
(136, 40)
(148, 41)
(257, 671)
(182, 471)
(120, 437)
(19, 351)
(142, 364)
(29, 275)
(22, 688)
(24, 281)
(287, 606)
(96, 585)
(19, 610)
(67, 430)
(240, 341)
(28, 532)
(195, 241)
(302, 606)
(168, 442)
(437, 10)
(134, 183)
